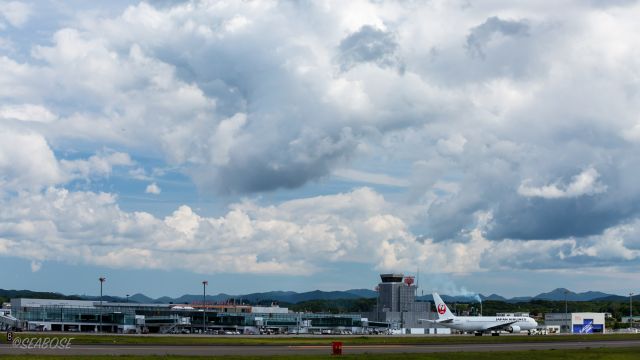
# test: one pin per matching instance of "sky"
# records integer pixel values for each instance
(491, 146)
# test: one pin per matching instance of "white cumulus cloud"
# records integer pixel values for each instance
(36, 266)
(153, 188)
(299, 236)
(27, 112)
(585, 183)
(27, 161)
(15, 12)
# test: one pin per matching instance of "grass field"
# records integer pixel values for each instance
(583, 354)
(347, 340)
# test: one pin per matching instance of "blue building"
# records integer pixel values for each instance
(577, 323)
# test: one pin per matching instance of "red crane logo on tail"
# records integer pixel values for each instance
(442, 308)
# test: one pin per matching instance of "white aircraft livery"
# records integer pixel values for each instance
(481, 324)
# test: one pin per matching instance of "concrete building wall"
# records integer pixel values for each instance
(269, 310)
(406, 297)
(577, 323)
(18, 303)
(388, 296)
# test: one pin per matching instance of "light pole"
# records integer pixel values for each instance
(565, 311)
(204, 308)
(630, 310)
(127, 298)
(102, 280)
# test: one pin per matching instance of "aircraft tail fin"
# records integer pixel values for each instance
(441, 308)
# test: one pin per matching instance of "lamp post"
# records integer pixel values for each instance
(565, 311)
(630, 310)
(102, 280)
(204, 308)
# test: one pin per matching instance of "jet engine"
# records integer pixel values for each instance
(514, 329)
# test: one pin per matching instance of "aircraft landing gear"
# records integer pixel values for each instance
(479, 333)
(495, 334)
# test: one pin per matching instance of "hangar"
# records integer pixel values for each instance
(577, 323)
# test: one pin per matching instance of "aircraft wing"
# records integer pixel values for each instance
(501, 326)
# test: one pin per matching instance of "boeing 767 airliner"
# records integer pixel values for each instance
(481, 324)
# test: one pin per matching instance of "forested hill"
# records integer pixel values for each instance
(6, 295)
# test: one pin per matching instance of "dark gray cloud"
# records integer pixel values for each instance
(368, 45)
(256, 165)
(529, 219)
(565, 204)
(497, 47)
(480, 35)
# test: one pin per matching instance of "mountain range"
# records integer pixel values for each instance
(292, 297)
(554, 295)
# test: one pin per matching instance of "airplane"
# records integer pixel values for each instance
(481, 324)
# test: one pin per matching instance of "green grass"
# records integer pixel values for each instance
(319, 340)
(582, 354)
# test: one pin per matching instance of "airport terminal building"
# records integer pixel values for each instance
(93, 316)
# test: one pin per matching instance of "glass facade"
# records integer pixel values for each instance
(76, 315)
(162, 317)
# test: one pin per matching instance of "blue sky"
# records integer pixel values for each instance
(301, 146)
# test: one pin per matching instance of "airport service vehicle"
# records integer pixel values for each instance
(481, 324)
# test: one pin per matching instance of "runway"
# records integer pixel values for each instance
(212, 350)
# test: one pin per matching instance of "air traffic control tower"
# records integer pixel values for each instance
(397, 303)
